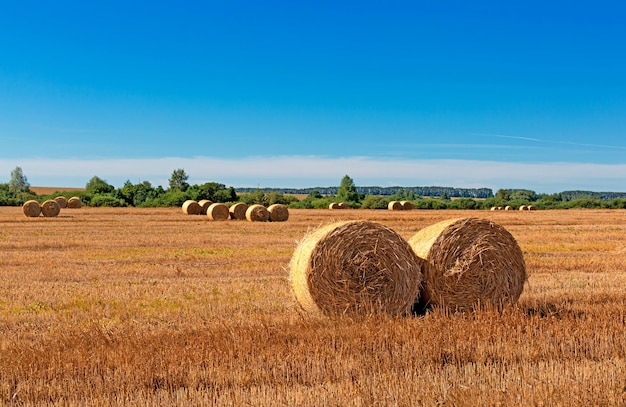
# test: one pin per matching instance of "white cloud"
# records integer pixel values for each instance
(311, 171)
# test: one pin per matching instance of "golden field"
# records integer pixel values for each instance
(128, 306)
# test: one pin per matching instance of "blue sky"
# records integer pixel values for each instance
(298, 94)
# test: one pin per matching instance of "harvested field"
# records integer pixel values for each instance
(114, 306)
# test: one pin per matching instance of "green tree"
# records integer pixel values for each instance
(18, 182)
(97, 185)
(347, 191)
(178, 180)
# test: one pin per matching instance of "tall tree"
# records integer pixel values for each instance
(347, 190)
(178, 180)
(18, 182)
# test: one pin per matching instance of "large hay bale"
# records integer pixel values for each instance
(31, 208)
(62, 201)
(257, 213)
(394, 206)
(468, 263)
(508, 208)
(218, 211)
(407, 205)
(74, 203)
(334, 205)
(343, 205)
(238, 211)
(50, 208)
(191, 207)
(531, 208)
(278, 213)
(204, 205)
(355, 268)
(523, 208)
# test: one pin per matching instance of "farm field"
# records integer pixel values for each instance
(129, 306)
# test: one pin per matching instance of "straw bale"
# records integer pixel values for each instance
(334, 205)
(493, 208)
(50, 208)
(508, 208)
(62, 201)
(74, 203)
(191, 207)
(218, 211)
(469, 263)
(394, 206)
(204, 205)
(31, 208)
(238, 211)
(355, 268)
(407, 205)
(343, 205)
(531, 208)
(278, 213)
(523, 208)
(257, 213)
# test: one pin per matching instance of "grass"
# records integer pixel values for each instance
(112, 306)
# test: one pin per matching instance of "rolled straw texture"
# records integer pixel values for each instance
(334, 205)
(218, 211)
(257, 213)
(407, 205)
(31, 208)
(191, 207)
(204, 205)
(50, 208)
(278, 213)
(343, 205)
(238, 211)
(62, 201)
(355, 268)
(469, 263)
(394, 206)
(74, 203)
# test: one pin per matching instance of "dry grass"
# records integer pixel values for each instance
(118, 306)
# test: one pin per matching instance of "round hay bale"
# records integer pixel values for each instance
(531, 208)
(257, 213)
(238, 211)
(204, 205)
(523, 208)
(50, 208)
(31, 208)
(62, 201)
(394, 206)
(218, 211)
(469, 263)
(334, 205)
(355, 268)
(508, 208)
(343, 205)
(499, 208)
(493, 208)
(407, 205)
(191, 207)
(278, 213)
(74, 203)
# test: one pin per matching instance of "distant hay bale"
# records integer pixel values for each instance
(394, 206)
(238, 211)
(278, 213)
(74, 203)
(469, 263)
(493, 208)
(508, 208)
(257, 213)
(531, 208)
(334, 205)
(499, 208)
(204, 205)
(50, 208)
(218, 211)
(407, 205)
(523, 208)
(191, 207)
(62, 201)
(31, 208)
(355, 268)
(343, 205)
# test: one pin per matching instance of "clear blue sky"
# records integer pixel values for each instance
(297, 94)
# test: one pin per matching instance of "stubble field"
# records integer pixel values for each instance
(151, 307)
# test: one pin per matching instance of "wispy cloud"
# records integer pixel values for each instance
(311, 171)
(548, 141)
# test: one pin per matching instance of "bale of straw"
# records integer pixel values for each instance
(493, 208)
(31, 208)
(191, 207)
(499, 208)
(278, 213)
(355, 268)
(50, 208)
(334, 205)
(531, 208)
(218, 211)
(343, 205)
(469, 263)
(508, 208)
(62, 201)
(394, 206)
(257, 213)
(74, 203)
(238, 211)
(204, 205)
(523, 208)
(407, 205)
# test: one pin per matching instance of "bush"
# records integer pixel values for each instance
(106, 200)
(374, 202)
